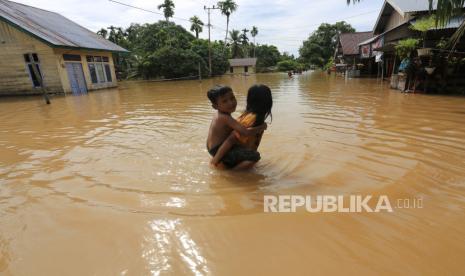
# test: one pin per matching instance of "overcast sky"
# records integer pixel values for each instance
(284, 23)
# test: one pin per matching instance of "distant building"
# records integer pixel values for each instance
(70, 58)
(242, 65)
(347, 49)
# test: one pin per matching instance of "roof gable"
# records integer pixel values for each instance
(350, 41)
(53, 28)
(402, 7)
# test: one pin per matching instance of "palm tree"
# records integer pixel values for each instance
(445, 10)
(168, 9)
(245, 42)
(196, 25)
(254, 33)
(235, 41)
(227, 7)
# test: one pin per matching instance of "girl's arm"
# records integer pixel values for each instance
(224, 148)
(242, 130)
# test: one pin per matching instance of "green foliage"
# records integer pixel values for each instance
(164, 49)
(424, 24)
(406, 46)
(267, 56)
(288, 65)
(329, 64)
(320, 45)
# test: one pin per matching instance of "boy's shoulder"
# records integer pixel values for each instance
(223, 117)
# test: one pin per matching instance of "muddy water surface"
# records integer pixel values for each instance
(118, 182)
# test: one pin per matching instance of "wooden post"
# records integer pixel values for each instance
(39, 78)
(200, 73)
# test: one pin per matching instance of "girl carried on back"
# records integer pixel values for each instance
(258, 109)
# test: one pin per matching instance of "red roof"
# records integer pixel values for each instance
(350, 41)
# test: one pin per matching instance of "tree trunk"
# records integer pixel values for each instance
(227, 25)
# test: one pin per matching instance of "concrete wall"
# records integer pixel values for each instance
(14, 74)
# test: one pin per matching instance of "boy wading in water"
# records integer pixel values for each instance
(221, 127)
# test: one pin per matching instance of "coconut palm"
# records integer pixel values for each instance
(168, 9)
(235, 43)
(254, 33)
(227, 7)
(196, 25)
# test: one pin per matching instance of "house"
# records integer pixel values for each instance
(347, 49)
(68, 57)
(393, 24)
(242, 65)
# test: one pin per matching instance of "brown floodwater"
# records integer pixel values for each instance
(118, 182)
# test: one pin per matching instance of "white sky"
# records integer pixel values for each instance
(284, 23)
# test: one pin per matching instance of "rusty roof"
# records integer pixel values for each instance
(53, 28)
(242, 62)
(350, 41)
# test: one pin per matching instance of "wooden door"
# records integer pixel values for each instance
(76, 78)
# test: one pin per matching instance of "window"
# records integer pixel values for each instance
(99, 68)
(69, 57)
(32, 61)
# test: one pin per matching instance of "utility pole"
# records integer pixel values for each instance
(209, 42)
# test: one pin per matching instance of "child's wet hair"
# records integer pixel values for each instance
(218, 91)
(260, 102)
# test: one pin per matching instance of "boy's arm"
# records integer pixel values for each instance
(235, 125)
(224, 148)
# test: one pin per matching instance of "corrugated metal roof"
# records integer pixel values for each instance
(405, 6)
(53, 28)
(242, 62)
(350, 41)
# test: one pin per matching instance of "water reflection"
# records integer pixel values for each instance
(169, 248)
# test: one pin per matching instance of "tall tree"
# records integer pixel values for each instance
(168, 9)
(254, 33)
(235, 43)
(227, 7)
(320, 45)
(196, 25)
(245, 42)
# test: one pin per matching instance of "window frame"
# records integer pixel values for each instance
(32, 63)
(97, 61)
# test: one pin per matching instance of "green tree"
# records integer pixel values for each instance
(235, 43)
(245, 42)
(267, 56)
(227, 7)
(103, 33)
(168, 9)
(254, 33)
(320, 45)
(196, 25)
